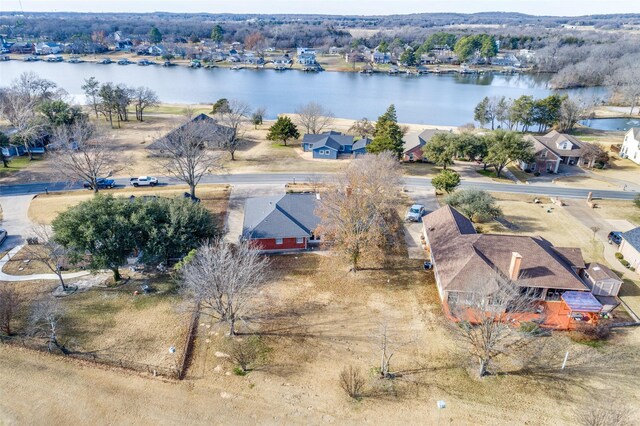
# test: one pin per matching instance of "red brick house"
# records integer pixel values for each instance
(281, 223)
(414, 143)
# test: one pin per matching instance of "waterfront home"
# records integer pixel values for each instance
(631, 145)
(281, 223)
(216, 134)
(22, 48)
(460, 256)
(506, 60)
(305, 50)
(380, 57)
(47, 48)
(332, 145)
(307, 59)
(156, 50)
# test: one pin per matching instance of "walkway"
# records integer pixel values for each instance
(14, 278)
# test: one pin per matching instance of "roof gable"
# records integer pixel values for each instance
(290, 215)
(633, 238)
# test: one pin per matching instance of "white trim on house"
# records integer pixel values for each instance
(631, 146)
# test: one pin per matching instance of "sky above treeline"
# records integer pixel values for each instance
(332, 7)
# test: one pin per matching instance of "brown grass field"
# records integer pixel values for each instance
(317, 318)
(45, 208)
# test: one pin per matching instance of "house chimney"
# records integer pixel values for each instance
(514, 268)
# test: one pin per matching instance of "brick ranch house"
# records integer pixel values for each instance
(281, 223)
(552, 274)
(415, 142)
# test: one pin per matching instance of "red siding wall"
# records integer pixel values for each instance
(270, 244)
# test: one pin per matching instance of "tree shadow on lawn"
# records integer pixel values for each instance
(520, 224)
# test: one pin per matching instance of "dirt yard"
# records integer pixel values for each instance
(316, 320)
(618, 210)
(45, 208)
(523, 217)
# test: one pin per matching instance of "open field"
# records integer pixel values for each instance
(317, 319)
(16, 164)
(618, 210)
(547, 220)
(25, 262)
(45, 208)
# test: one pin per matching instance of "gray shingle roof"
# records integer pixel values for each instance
(332, 139)
(414, 140)
(201, 117)
(281, 216)
(361, 143)
(633, 238)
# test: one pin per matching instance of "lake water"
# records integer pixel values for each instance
(431, 99)
(613, 124)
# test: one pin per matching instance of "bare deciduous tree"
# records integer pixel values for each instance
(48, 252)
(10, 302)
(20, 111)
(143, 97)
(352, 381)
(604, 413)
(485, 317)
(223, 280)
(314, 117)
(44, 322)
(357, 210)
(232, 120)
(246, 353)
(186, 154)
(387, 345)
(80, 153)
(363, 128)
(571, 111)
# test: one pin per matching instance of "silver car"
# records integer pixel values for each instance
(415, 213)
(3, 235)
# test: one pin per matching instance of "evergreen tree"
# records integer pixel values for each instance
(155, 36)
(388, 135)
(283, 130)
(217, 34)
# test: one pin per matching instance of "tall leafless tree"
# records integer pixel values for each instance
(357, 210)
(44, 322)
(224, 280)
(571, 111)
(48, 252)
(143, 97)
(19, 109)
(232, 120)
(387, 345)
(10, 302)
(186, 155)
(485, 317)
(314, 117)
(81, 153)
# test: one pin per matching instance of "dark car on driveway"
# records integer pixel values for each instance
(615, 237)
(103, 183)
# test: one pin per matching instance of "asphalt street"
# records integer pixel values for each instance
(282, 178)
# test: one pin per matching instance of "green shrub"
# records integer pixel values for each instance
(619, 256)
(530, 328)
(238, 371)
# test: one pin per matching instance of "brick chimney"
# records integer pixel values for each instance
(514, 268)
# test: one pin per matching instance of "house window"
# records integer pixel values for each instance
(299, 240)
(278, 241)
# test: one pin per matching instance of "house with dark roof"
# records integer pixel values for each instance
(281, 223)
(213, 142)
(554, 149)
(414, 144)
(332, 144)
(630, 247)
(460, 255)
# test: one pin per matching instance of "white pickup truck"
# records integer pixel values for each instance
(143, 181)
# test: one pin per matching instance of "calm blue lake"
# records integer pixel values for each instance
(430, 99)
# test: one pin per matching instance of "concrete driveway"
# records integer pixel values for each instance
(235, 212)
(15, 220)
(413, 230)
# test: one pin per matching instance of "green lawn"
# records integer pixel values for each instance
(492, 174)
(16, 164)
(522, 176)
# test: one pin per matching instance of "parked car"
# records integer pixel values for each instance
(3, 235)
(101, 182)
(143, 181)
(615, 237)
(415, 213)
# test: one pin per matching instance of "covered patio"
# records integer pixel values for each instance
(573, 308)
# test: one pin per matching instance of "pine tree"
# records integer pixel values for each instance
(388, 135)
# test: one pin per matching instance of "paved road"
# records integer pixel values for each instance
(282, 178)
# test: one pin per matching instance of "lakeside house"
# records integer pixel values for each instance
(630, 247)
(307, 59)
(631, 145)
(47, 48)
(215, 140)
(281, 223)
(381, 58)
(554, 149)
(414, 144)
(460, 255)
(332, 145)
